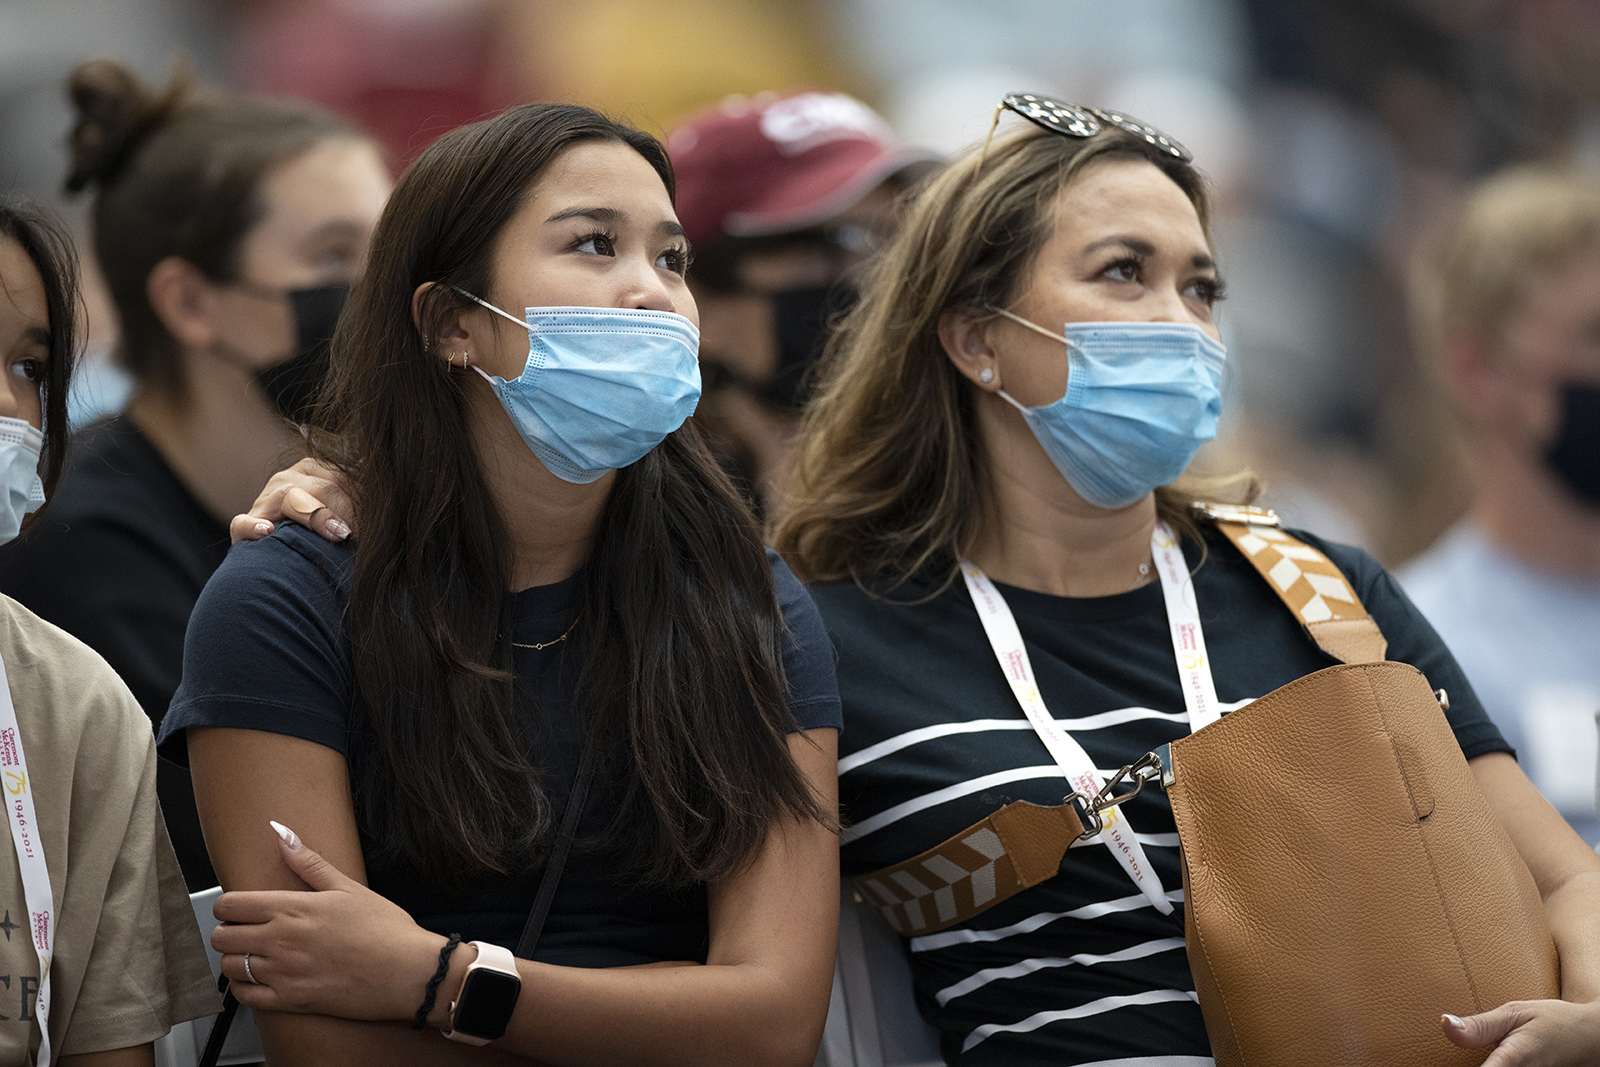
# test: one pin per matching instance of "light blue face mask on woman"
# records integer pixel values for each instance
(20, 445)
(602, 386)
(1142, 397)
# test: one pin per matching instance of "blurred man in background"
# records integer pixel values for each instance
(783, 198)
(1514, 588)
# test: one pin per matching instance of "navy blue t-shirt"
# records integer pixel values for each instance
(267, 650)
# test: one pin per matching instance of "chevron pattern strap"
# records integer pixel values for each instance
(1307, 581)
(1016, 848)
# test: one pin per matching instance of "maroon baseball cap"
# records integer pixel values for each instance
(753, 166)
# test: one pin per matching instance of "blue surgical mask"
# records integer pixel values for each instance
(1142, 397)
(602, 386)
(20, 445)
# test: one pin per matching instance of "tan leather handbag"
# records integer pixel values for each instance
(1345, 881)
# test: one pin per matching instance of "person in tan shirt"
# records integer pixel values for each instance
(126, 960)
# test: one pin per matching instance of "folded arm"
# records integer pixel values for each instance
(343, 969)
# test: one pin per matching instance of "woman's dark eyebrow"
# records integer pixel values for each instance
(1137, 245)
(608, 216)
(1140, 247)
(39, 335)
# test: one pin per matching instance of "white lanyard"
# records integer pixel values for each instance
(30, 857)
(1199, 692)
(1188, 639)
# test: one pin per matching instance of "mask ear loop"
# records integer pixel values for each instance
(1036, 328)
(503, 314)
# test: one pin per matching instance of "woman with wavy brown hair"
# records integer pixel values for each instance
(989, 506)
(560, 732)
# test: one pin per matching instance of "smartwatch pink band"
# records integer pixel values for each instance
(490, 958)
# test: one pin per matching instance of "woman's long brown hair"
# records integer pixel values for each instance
(681, 684)
(888, 472)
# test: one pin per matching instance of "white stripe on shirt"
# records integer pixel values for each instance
(1093, 1007)
(974, 785)
(1100, 721)
(894, 744)
(1039, 963)
(948, 793)
(929, 942)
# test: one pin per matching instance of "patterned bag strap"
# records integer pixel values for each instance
(1016, 848)
(1308, 582)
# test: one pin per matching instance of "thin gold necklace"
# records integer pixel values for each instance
(538, 645)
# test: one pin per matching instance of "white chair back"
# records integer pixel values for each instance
(872, 1019)
(183, 1045)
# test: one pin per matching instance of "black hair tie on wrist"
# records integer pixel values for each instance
(431, 993)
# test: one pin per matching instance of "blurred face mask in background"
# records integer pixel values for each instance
(20, 445)
(1142, 397)
(602, 386)
(1575, 454)
(293, 384)
(800, 321)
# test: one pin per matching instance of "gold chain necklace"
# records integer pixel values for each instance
(538, 645)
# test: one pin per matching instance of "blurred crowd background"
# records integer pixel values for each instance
(1341, 136)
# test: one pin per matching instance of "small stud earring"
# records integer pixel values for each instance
(427, 344)
(986, 375)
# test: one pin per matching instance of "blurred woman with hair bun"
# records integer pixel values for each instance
(228, 230)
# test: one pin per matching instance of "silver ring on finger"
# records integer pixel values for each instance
(247, 973)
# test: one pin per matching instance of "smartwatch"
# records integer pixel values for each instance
(482, 1010)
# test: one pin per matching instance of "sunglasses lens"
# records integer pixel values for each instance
(1069, 119)
(1149, 133)
(1075, 121)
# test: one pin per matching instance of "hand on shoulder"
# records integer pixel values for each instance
(309, 493)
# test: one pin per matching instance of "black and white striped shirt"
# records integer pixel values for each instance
(1081, 969)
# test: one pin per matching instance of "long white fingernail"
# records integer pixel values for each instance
(286, 834)
(1454, 1022)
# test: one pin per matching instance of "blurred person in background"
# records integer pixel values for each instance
(1513, 322)
(227, 230)
(783, 198)
(120, 960)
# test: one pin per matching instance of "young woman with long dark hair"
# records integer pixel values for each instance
(550, 573)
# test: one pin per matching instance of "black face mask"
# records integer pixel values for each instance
(800, 320)
(292, 385)
(1575, 455)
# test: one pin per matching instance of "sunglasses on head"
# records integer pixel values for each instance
(1075, 120)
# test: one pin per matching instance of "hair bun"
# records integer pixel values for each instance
(116, 111)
